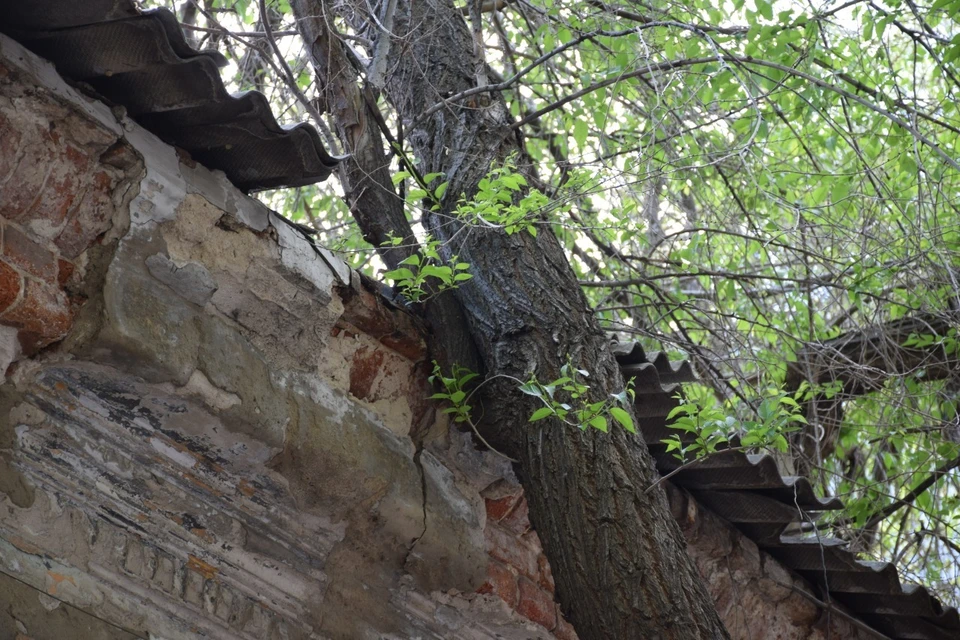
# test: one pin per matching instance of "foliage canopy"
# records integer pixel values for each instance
(733, 183)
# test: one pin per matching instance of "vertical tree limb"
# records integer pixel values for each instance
(618, 557)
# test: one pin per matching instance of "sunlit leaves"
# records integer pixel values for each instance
(754, 176)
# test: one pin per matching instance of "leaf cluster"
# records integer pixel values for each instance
(568, 399)
(421, 276)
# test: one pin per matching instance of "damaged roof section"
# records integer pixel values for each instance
(749, 492)
(142, 62)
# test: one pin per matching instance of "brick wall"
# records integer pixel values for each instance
(62, 176)
(518, 572)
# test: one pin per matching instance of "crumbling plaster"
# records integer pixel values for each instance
(192, 459)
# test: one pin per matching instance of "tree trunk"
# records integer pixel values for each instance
(365, 175)
(618, 557)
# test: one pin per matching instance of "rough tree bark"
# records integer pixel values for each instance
(617, 555)
(365, 175)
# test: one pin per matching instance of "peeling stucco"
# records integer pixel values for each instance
(217, 447)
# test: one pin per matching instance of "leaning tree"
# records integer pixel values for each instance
(769, 190)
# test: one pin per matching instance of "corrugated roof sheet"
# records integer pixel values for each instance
(749, 491)
(143, 62)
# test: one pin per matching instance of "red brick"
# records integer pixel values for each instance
(564, 630)
(10, 137)
(546, 574)
(31, 256)
(23, 188)
(88, 220)
(364, 370)
(63, 185)
(396, 330)
(11, 282)
(498, 508)
(518, 520)
(409, 345)
(536, 604)
(533, 541)
(44, 314)
(501, 497)
(65, 269)
(501, 582)
(366, 312)
(511, 550)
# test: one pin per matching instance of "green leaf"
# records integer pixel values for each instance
(624, 418)
(765, 9)
(580, 131)
(531, 389)
(399, 275)
(434, 271)
(688, 409)
(599, 423)
(541, 413)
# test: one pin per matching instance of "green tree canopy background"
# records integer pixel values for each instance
(738, 184)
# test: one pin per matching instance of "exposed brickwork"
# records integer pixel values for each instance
(502, 582)
(11, 284)
(512, 550)
(371, 314)
(65, 269)
(364, 369)
(499, 508)
(519, 572)
(32, 257)
(89, 219)
(545, 577)
(42, 316)
(61, 177)
(518, 520)
(536, 604)
(564, 630)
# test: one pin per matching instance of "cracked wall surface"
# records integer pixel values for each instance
(218, 432)
(211, 428)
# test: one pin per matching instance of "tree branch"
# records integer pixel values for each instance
(908, 499)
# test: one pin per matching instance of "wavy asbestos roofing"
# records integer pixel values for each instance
(749, 492)
(143, 62)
